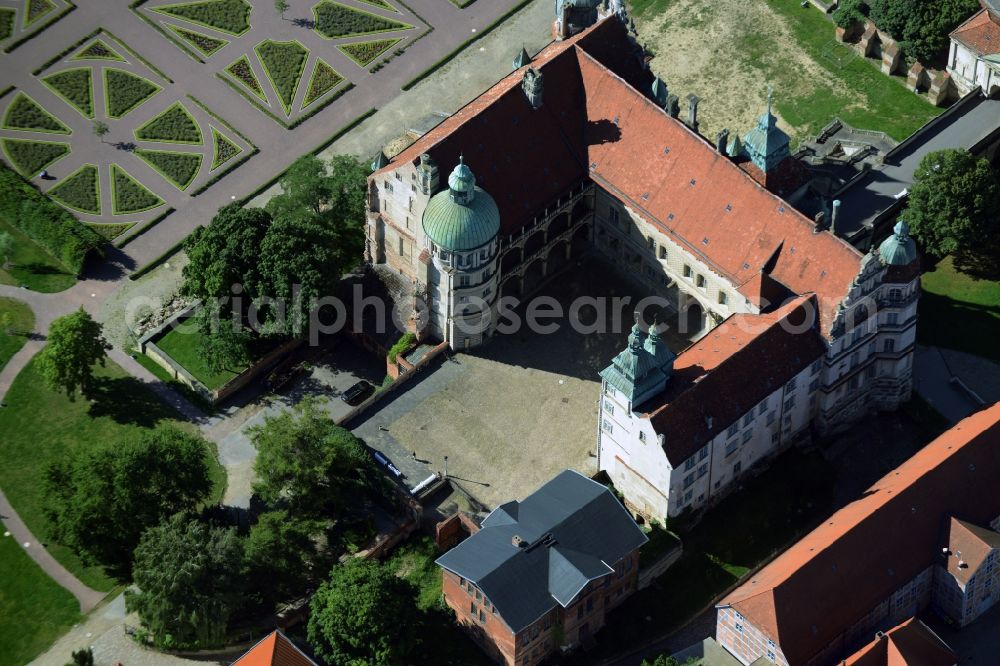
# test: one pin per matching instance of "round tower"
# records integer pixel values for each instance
(898, 249)
(461, 225)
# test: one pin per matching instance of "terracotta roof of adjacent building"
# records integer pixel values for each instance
(981, 32)
(911, 643)
(873, 546)
(969, 547)
(594, 123)
(274, 650)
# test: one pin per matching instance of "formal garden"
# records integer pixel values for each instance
(28, 18)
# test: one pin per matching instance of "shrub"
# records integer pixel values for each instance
(125, 91)
(205, 44)
(401, 346)
(129, 195)
(6, 22)
(336, 20)
(76, 86)
(30, 157)
(283, 62)
(179, 168)
(97, 50)
(36, 9)
(112, 230)
(848, 13)
(380, 3)
(364, 53)
(173, 125)
(25, 113)
(324, 79)
(232, 16)
(45, 222)
(224, 149)
(80, 190)
(243, 73)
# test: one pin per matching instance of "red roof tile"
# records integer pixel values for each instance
(981, 32)
(876, 544)
(911, 643)
(969, 545)
(275, 650)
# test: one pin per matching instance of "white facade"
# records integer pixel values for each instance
(970, 71)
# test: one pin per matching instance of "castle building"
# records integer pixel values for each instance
(974, 56)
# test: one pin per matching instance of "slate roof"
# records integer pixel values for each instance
(971, 545)
(573, 530)
(274, 650)
(874, 545)
(911, 643)
(595, 123)
(981, 32)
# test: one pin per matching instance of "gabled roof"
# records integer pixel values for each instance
(911, 643)
(759, 353)
(969, 545)
(981, 32)
(595, 123)
(274, 650)
(572, 530)
(872, 546)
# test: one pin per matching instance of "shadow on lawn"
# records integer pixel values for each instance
(127, 401)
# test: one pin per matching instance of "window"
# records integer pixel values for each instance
(737, 468)
(487, 292)
(892, 318)
(762, 408)
(689, 480)
(889, 345)
(613, 215)
(748, 418)
(482, 617)
(747, 436)
(388, 187)
(688, 495)
(703, 470)
(409, 207)
(700, 281)
(472, 607)
(608, 407)
(401, 247)
(792, 383)
(463, 299)
(854, 360)
(817, 364)
(590, 604)
(703, 452)
(871, 347)
(739, 628)
(607, 427)
(790, 403)
(813, 385)
(642, 436)
(870, 371)
(479, 595)
(399, 176)
(854, 382)
(463, 280)
(723, 298)
(770, 418)
(731, 447)
(650, 243)
(689, 464)
(733, 429)
(895, 294)
(663, 253)
(687, 271)
(770, 655)
(579, 612)
(774, 438)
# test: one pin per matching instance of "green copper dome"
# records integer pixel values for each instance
(464, 217)
(898, 249)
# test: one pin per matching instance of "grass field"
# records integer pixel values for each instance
(959, 312)
(34, 267)
(22, 321)
(182, 346)
(35, 610)
(41, 425)
(727, 52)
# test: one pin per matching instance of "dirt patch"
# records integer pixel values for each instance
(147, 293)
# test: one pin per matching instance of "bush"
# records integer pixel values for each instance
(76, 86)
(401, 346)
(30, 157)
(26, 113)
(232, 16)
(243, 73)
(205, 44)
(224, 149)
(283, 62)
(125, 91)
(80, 190)
(849, 12)
(336, 20)
(128, 195)
(179, 168)
(324, 79)
(364, 53)
(174, 125)
(97, 50)
(112, 230)
(45, 222)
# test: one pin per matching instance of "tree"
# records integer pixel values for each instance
(953, 203)
(75, 344)
(281, 7)
(364, 615)
(190, 581)
(223, 345)
(6, 249)
(310, 463)
(100, 500)
(282, 555)
(100, 129)
(82, 658)
(848, 13)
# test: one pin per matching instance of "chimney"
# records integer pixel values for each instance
(517, 541)
(533, 85)
(428, 175)
(835, 215)
(673, 106)
(693, 111)
(722, 141)
(564, 21)
(820, 219)
(659, 92)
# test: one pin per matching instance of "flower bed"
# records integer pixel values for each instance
(36, 9)
(112, 230)
(6, 22)
(283, 63)
(364, 53)
(324, 79)
(27, 114)
(224, 149)
(129, 195)
(179, 168)
(125, 91)
(232, 16)
(97, 50)
(76, 86)
(30, 157)
(205, 44)
(79, 190)
(336, 20)
(173, 125)
(242, 72)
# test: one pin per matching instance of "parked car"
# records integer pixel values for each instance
(358, 393)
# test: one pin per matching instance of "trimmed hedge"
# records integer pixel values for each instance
(380, 3)
(80, 190)
(128, 195)
(124, 91)
(364, 53)
(283, 63)
(30, 157)
(174, 125)
(97, 50)
(45, 222)
(336, 20)
(223, 149)
(36, 9)
(179, 168)
(205, 44)
(76, 86)
(6, 22)
(232, 16)
(324, 79)
(27, 114)
(241, 70)
(110, 231)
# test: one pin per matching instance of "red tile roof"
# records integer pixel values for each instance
(911, 643)
(876, 544)
(594, 123)
(275, 650)
(981, 32)
(969, 545)
(698, 403)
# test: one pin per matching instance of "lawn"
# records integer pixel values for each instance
(41, 425)
(34, 608)
(34, 267)
(157, 371)
(25, 113)
(79, 191)
(182, 344)
(959, 312)
(22, 321)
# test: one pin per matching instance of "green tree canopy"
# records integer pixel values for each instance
(953, 204)
(364, 615)
(920, 26)
(225, 253)
(190, 581)
(75, 344)
(100, 500)
(282, 555)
